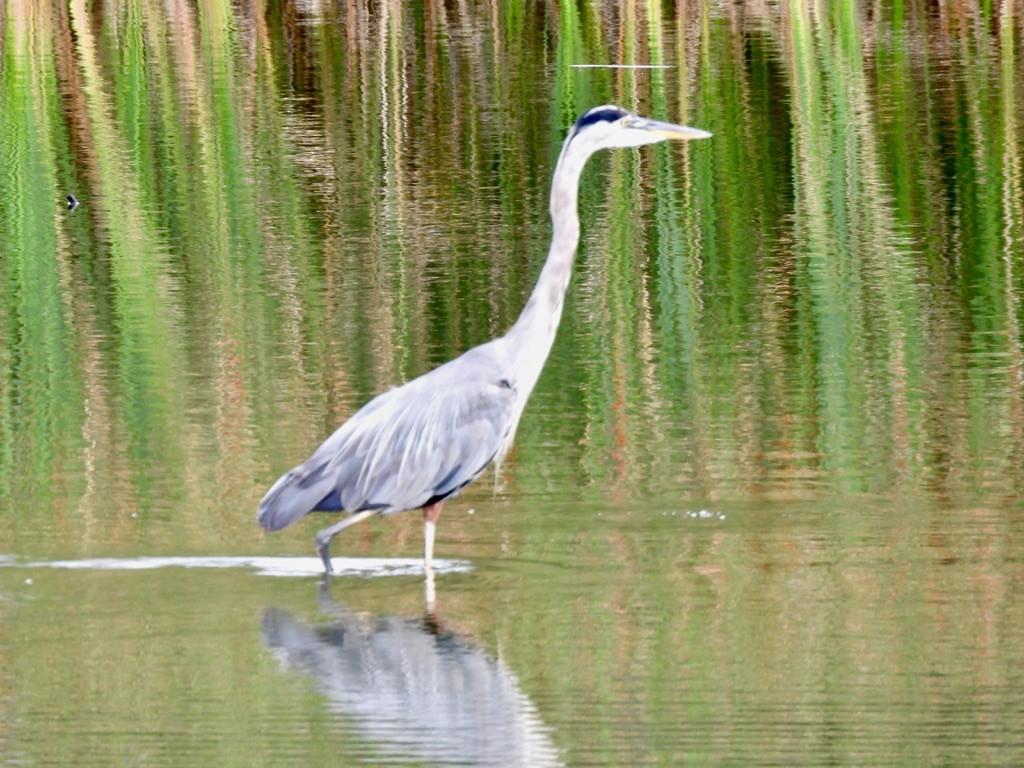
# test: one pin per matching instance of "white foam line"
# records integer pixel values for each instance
(264, 566)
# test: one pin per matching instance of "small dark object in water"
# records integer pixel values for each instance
(72, 202)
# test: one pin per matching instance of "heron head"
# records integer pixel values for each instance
(611, 126)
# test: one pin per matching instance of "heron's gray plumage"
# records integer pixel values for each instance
(421, 443)
(407, 447)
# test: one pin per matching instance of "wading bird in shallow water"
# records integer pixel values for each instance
(421, 443)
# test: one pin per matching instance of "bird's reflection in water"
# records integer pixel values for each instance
(417, 690)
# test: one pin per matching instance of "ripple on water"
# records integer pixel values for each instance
(264, 566)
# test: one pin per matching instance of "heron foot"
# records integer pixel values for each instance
(323, 538)
(323, 548)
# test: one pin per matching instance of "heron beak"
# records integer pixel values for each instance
(669, 130)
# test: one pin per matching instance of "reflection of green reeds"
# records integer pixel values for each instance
(144, 291)
(289, 208)
(40, 397)
(858, 287)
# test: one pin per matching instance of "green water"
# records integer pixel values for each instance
(766, 505)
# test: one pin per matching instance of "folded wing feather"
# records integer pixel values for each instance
(408, 447)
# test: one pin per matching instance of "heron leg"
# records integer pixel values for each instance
(430, 514)
(323, 538)
(429, 591)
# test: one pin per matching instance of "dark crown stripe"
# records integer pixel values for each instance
(606, 114)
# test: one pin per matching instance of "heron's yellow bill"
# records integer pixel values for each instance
(669, 130)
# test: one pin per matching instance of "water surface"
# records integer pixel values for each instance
(765, 505)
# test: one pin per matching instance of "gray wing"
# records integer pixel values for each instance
(406, 448)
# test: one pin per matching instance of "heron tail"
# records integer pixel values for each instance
(295, 494)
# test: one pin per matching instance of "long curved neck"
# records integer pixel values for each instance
(534, 332)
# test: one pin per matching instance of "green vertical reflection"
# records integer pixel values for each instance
(291, 207)
(859, 301)
(145, 299)
(40, 397)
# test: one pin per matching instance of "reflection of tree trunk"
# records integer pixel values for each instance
(72, 93)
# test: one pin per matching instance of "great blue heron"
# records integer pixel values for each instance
(421, 443)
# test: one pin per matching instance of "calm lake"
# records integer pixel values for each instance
(766, 504)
